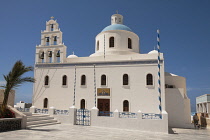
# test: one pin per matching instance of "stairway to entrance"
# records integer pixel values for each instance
(36, 120)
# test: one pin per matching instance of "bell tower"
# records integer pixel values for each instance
(51, 49)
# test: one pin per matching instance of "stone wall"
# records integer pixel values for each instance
(11, 99)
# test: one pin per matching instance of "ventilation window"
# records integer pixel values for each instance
(97, 45)
(111, 42)
(64, 80)
(129, 43)
(125, 79)
(46, 80)
(83, 80)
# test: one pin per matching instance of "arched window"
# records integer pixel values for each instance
(97, 45)
(82, 104)
(45, 103)
(125, 79)
(83, 80)
(149, 79)
(103, 79)
(46, 80)
(64, 80)
(129, 43)
(125, 106)
(111, 42)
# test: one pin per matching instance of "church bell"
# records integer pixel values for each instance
(55, 38)
(48, 40)
(41, 55)
(50, 54)
(58, 54)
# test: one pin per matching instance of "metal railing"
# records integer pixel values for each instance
(127, 115)
(41, 111)
(151, 116)
(105, 113)
(23, 109)
(61, 112)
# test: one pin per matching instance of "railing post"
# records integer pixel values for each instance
(51, 111)
(33, 109)
(94, 115)
(72, 115)
(116, 114)
(139, 114)
(24, 122)
(16, 107)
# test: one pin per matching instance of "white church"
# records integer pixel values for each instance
(115, 77)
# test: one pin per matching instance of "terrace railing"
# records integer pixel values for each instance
(151, 116)
(105, 113)
(41, 111)
(127, 115)
(61, 112)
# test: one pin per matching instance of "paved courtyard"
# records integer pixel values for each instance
(70, 132)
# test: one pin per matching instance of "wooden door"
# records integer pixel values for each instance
(103, 105)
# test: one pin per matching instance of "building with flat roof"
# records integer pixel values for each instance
(115, 77)
(203, 103)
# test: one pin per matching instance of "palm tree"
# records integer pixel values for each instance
(13, 80)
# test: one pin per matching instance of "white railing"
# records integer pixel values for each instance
(151, 116)
(61, 112)
(41, 111)
(127, 115)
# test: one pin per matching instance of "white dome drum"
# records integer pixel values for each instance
(116, 39)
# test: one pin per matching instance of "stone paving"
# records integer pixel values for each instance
(75, 132)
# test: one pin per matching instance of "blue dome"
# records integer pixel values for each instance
(116, 27)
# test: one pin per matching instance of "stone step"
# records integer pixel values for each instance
(39, 125)
(38, 115)
(41, 122)
(27, 113)
(30, 119)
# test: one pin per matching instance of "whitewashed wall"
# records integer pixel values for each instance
(140, 96)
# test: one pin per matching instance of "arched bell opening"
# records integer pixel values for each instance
(49, 55)
(41, 56)
(57, 56)
(55, 38)
(51, 27)
(47, 41)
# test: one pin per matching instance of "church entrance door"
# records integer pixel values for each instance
(104, 107)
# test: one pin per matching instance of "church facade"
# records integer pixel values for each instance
(116, 77)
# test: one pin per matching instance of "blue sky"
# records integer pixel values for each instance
(184, 32)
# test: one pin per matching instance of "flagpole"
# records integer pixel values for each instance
(159, 76)
(74, 85)
(104, 46)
